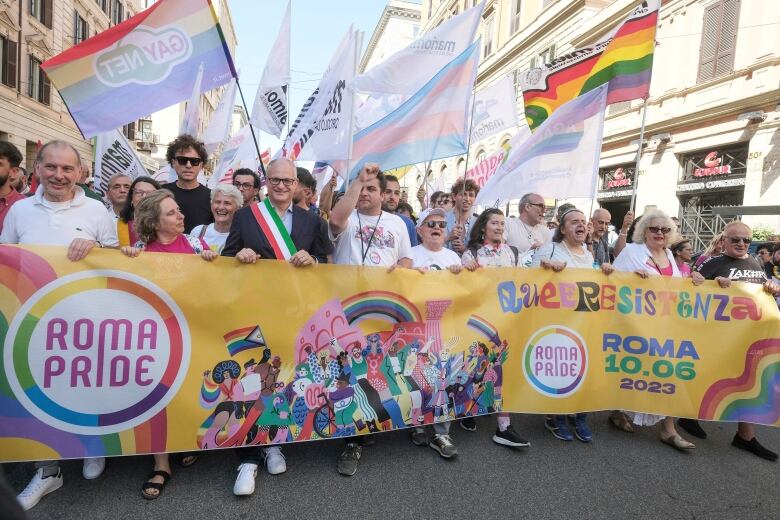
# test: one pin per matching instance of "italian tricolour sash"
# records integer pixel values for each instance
(274, 230)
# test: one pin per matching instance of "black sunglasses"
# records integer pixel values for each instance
(656, 229)
(737, 240)
(195, 161)
(441, 224)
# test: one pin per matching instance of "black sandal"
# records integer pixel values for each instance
(155, 485)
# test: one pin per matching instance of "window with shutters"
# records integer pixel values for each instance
(514, 25)
(80, 28)
(718, 39)
(487, 36)
(8, 53)
(38, 86)
(117, 12)
(42, 10)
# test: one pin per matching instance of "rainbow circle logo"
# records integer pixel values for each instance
(555, 361)
(97, 352)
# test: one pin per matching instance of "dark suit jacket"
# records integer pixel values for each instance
(309, 232)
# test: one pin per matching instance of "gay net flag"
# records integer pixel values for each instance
(142, 65)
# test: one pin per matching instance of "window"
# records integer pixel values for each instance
(487, 37)
(718, 40)
(42, 11)
(117, 12)
(8, 53)
(38, 86)
(103, 4)
(515, 16)
(129, 131)
(80, 29)
(545, 56)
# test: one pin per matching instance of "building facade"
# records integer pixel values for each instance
(32, 31)
(712, 131)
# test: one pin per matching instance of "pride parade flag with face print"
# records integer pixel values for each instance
(144, 64)
(119, 356)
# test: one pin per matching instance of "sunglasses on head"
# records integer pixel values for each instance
(656, 230)
(737, 240)
(436, 224)
(195, 161)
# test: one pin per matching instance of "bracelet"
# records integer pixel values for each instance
(622, 234)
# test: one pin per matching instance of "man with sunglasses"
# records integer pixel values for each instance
(528, 232)
(735, 264)
(187, 156)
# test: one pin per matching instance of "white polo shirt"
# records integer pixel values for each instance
(37, 221)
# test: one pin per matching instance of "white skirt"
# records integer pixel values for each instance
(645, 419)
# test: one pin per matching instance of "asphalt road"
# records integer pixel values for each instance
(617, 476)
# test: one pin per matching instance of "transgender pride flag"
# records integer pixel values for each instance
(432, 124)
(142, 65)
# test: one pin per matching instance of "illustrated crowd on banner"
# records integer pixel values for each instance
(344, 382)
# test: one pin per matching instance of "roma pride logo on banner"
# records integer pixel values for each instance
(75, 364)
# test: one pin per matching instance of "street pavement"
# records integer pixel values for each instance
(619, 475)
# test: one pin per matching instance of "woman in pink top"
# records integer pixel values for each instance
(160, 226)
(683, 251)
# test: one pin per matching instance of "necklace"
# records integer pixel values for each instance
(530, 235)
(582, 253)
(363, 251)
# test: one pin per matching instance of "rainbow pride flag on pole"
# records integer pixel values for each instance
(623, 60)
(142, 65)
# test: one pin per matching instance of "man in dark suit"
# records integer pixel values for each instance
(249, 238)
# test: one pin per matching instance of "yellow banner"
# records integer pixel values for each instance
(164, 352)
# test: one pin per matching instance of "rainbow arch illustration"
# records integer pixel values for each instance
(380, 305)
(754, 396)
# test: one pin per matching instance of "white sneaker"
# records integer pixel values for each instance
(38, 488)
(245, 482)
(93, 468)
(274, 460)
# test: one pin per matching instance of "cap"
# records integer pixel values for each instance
(427, 213)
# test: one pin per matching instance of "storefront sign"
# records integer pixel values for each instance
(710, 185)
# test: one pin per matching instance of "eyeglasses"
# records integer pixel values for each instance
(441, 224)
(737, 240)
(539, 205)
(655, 230)
(195, 161)
(141, 194)
(276, 181)
(243, 186)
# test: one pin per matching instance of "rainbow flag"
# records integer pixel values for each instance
(484, 327)
(142, 65)
(243, 339)
(432, 124)
(623, 60)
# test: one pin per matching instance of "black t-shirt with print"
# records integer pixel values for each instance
(737, 269)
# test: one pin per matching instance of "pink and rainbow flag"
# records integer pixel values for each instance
(432, 124)
(142, 65)
(245, 338)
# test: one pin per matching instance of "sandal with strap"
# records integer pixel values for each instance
(155, 485)
(678, 443)
(620, 421)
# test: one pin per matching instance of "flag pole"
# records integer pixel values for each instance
(358, 47)
(639, 155)
(252, 129)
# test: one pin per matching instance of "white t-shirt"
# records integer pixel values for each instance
(213, 238)
(438, 260)
(382, 240)
(558, 252)
(37, 221)
(522, 236)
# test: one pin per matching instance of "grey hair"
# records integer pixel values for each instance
(644, 222)
(230, 191)
(525, 199)
(57, 143)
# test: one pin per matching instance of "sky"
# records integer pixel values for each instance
(317, 29)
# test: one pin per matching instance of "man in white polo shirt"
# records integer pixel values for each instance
(58, 214)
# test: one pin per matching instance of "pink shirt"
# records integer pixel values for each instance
(180, 245)
(6, 203)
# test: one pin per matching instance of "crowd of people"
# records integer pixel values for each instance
(367, 224)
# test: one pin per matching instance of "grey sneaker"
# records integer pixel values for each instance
(348, 460)
(443, 444)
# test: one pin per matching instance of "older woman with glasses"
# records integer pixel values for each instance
(649, 255)
(125, 225)
(160, 227)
